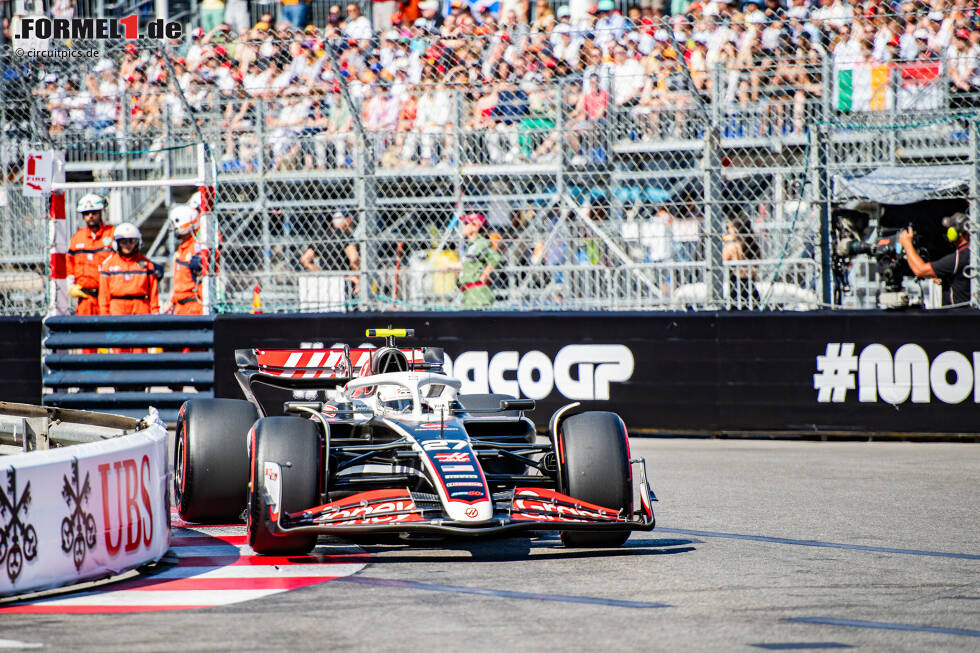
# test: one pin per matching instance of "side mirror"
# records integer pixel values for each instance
(517, 404)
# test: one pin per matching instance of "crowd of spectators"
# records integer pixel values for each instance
(500, 74)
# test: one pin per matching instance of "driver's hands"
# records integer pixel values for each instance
(905, 238)
(76, 291)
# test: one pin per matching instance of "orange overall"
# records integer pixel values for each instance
(190, 263)
(86, 252)
(128, 286)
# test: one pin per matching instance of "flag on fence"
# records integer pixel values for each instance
(922, 86)
(863, 87)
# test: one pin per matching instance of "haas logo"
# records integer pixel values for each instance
(471, 512)
(127, 510)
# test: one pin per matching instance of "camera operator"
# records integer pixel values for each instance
(950, 270)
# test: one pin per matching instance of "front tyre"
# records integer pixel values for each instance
(210, 460)
(596, 469)
(294, 444)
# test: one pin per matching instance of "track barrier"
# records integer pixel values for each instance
(910, 374)
(122, 365)
(779, 374)
(81, 512)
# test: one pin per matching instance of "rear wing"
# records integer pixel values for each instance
(291, 368)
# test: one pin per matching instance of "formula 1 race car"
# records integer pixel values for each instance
(395, 449)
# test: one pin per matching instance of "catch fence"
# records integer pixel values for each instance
(672, 187)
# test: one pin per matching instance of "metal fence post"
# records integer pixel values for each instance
(974, 214)
(714, 219)
(828, 90)
(560, 147)
(365, 188)
(823, 196)
(263, 195)
(127, 106)
(6, 199)
(366, 194)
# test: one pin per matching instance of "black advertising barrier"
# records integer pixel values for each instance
(910, 372)
(20, 352)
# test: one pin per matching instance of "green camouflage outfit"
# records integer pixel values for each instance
(478, 254)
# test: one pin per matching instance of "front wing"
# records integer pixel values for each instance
(400, 510)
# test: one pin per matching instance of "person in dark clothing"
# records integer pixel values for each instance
(950, 270)
(336, 251)
(740, 245)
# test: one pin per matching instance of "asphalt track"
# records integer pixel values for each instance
(760, 545)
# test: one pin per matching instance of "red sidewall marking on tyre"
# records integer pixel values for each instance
(215, 566)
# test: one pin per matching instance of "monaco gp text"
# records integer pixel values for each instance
(909, 374)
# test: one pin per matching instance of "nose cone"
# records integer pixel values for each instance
(478, 511)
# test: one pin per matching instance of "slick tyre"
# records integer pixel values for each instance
(597, 470)
(211, 460)
(294, 444)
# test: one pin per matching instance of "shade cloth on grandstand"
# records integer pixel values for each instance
(903, 185)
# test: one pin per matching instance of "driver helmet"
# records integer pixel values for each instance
(395, 398)
(183, 219)
(128, 230)
(90, 202)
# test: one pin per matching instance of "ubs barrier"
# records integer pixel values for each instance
(860, 372)
(82, 512)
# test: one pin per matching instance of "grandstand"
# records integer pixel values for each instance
(607, 146)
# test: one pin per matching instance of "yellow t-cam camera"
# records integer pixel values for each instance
(389, 333)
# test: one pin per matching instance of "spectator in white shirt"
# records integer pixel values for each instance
(433, 119)
(627, 77)
(287, 124)
(107, 100)
(610, 26)
(79, 105)
(835, 13)
(307, 66)
(358, 27)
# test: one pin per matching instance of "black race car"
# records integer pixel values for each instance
(390, 446)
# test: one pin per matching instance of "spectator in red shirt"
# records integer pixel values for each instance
(590, 111)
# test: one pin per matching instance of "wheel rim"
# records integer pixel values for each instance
(180, 469)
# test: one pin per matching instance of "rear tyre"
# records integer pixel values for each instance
(294, 444)
(211, 461)
(597, 470)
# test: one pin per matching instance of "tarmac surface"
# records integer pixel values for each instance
(760, 545)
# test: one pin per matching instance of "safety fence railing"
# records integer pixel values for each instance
(121, 365)
(428, 285)
(617, 167)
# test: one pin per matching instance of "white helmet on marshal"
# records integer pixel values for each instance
(195, 201)
(128, 230)
(183, 219)
(90, 202)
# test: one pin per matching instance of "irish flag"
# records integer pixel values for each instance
(863, 87)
